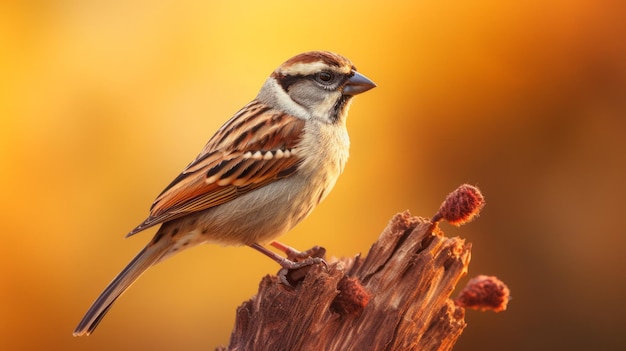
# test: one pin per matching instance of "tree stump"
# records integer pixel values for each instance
(395, 298)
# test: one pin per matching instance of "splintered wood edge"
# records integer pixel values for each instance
(407, 275)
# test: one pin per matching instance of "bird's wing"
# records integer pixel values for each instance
(255, 147)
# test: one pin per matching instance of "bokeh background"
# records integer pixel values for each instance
(102, 103)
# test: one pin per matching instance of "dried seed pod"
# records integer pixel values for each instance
(461, 206)
(484, 293)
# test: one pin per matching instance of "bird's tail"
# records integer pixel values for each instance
(147, 257)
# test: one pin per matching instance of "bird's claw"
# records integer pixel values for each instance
(294, 271)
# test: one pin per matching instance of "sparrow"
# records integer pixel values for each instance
(260, 174)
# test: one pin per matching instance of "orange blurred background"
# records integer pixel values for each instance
(103, 103)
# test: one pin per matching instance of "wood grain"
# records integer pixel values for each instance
(395, 298)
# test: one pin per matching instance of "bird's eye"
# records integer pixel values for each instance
(325, 77)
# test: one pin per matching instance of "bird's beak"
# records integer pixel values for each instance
(357, 84)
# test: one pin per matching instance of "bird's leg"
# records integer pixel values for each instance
(291, 272)
(295, 255)
(288, 263)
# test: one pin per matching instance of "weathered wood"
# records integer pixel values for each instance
(395, 298)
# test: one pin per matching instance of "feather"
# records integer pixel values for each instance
(255, 147)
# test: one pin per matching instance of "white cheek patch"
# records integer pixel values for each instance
(285, 103)
(322, 110)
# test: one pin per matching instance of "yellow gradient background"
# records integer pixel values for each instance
(102, 103)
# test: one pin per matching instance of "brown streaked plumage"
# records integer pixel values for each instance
(231, 164)
(261, 173)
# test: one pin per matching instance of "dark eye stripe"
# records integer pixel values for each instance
(287, 81)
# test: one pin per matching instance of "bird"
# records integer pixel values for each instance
(261, 173)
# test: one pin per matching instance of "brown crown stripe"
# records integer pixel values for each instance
(316, 56)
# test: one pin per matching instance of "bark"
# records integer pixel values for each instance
(395, 298)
